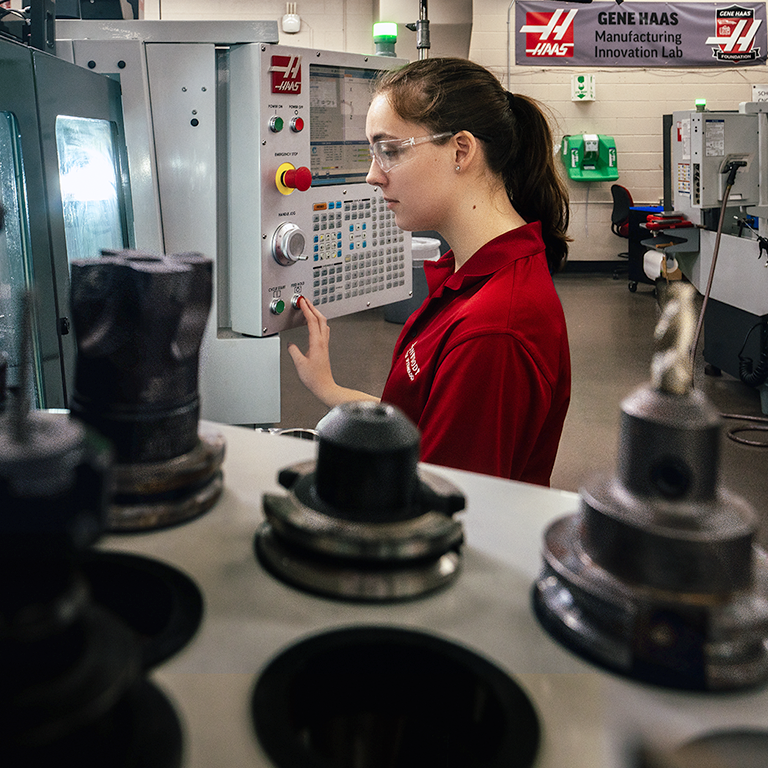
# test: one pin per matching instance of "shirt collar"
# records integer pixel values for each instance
(519, 243)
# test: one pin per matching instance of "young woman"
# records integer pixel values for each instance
(483, 367)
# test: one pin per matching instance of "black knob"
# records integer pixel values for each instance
(366, 462)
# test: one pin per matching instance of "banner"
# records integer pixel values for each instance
(605, 34)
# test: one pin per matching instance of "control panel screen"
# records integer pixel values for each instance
(339, 101)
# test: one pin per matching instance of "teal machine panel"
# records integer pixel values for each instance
(590, 157)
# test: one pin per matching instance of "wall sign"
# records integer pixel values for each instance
(640, 34)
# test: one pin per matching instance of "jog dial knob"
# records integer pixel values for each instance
(288, 244)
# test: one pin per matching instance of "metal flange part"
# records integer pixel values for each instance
(658, 576)
(362, 522)
(164, 493)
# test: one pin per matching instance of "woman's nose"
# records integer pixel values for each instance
(375, 175)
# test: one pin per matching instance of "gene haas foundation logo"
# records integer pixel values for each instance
(411, 366)
(286, 74)
(549, 35)
(735, 30)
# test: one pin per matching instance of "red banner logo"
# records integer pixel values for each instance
(735, 30)
(286, 74)
(549, 35)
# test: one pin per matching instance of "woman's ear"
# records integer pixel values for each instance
(465, 148)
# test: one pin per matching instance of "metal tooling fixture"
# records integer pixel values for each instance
(658, 576)
(72, 680)
(360, 522)
(139, 320)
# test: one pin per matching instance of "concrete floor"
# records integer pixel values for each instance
(611, 337)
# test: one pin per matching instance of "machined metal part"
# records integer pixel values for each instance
(430, 533)
(155, 495)
(55, 473)
(354, 581)
(671, 369)
(361, 522)
(73, 681)
(139, 320)
(658, 575)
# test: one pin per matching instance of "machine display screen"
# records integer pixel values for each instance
(339, 101)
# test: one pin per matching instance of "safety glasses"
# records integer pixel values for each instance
(389, 153)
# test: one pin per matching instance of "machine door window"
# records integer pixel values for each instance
(90, 186)
(15, 258)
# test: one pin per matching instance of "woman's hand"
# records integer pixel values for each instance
(314, 367)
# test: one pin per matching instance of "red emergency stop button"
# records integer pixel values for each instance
(297, 178)
(297, 124)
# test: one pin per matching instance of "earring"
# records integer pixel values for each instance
(458, 168)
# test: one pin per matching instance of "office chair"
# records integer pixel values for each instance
(622, 202)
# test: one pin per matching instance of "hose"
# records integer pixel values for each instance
(748, 374)
(762, 426)
(731, 169)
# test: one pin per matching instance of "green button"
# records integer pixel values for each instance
(278, 305)
(276, 124)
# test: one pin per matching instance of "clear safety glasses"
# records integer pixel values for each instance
(389, 153)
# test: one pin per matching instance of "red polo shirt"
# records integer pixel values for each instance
(483, 367)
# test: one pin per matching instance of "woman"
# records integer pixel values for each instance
(483, 366)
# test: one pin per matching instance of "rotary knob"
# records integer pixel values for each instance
(288, 244)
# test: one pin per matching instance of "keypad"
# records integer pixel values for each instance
(358, 249)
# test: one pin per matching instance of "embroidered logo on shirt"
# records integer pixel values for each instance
(411, 366)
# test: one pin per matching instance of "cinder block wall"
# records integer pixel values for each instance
(629, 105)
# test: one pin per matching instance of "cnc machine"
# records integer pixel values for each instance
(706, 148)
(254, 154)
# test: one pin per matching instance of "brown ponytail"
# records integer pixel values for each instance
(451, 95)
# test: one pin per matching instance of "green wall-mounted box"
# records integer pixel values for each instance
(590, 157)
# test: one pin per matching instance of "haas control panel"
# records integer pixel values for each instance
(303, 219)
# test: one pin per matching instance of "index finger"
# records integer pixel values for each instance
(310, 311)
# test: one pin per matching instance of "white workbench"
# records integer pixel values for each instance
(590, 719)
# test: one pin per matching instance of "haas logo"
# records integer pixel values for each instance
(286, 74)
(735, 29)
(549, 35)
